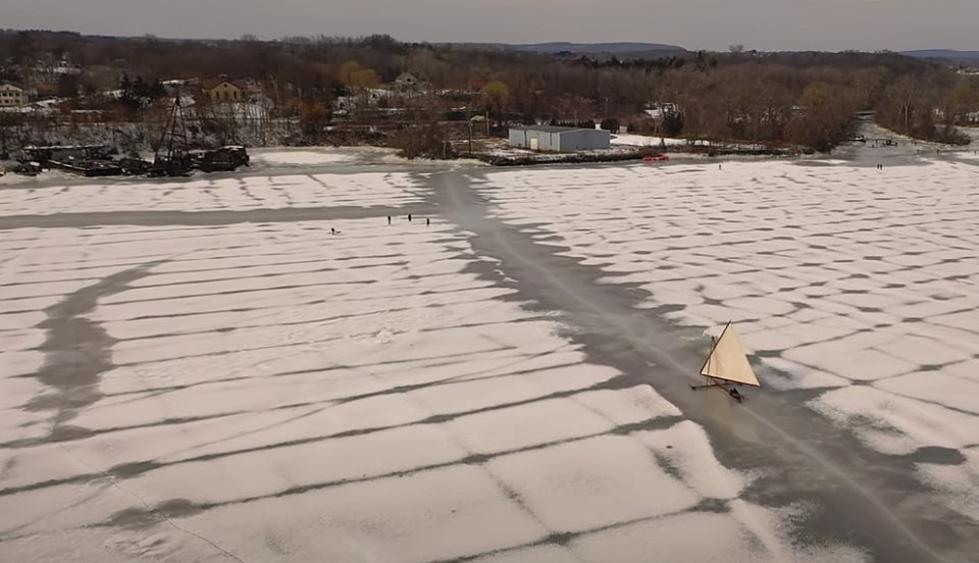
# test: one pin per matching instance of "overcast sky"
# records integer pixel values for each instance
(695, 24)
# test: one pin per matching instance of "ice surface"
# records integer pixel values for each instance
(553, 481)
(955, 481)
(541, 554)
(300, 157)
(274, 392)
(895, 424)
(686, 449)
(206, 194)
(432, 515)
(677, 538)
(277, 392)
(842, 277)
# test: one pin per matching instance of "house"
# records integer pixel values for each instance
(177, 86)
(367, 98)
(558, 139)
(11, 95)
(406, 81)
(65, 66)
(48, 71)
(224, 90)
(660, 110)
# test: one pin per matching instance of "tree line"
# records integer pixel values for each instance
(805, 99)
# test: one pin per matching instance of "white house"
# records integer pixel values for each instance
(11, 95)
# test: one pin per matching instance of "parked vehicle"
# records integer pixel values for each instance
(134, 166)
(178, 164)
(224, 159)
(28, 168)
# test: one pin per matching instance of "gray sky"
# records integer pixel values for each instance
(708, 24)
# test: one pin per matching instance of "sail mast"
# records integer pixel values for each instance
(713, 346)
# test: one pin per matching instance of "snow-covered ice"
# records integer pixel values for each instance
(840, 277)
(215, 194)
(300, 157)
(273, 391)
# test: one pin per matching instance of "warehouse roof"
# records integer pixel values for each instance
(551, 128)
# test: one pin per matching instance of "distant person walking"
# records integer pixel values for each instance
(428, 221)
(389, 219)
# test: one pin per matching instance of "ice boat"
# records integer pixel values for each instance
(727, 365)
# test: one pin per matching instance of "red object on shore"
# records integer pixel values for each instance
(655, 157)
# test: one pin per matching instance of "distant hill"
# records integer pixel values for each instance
(595, 48)
(947, 54)
(625, 49)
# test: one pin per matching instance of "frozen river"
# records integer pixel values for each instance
(262, 368)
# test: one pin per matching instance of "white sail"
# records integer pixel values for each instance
(728, 361)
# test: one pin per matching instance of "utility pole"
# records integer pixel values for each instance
(469, 118)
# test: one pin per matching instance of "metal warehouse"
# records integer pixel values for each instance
(558, 139)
